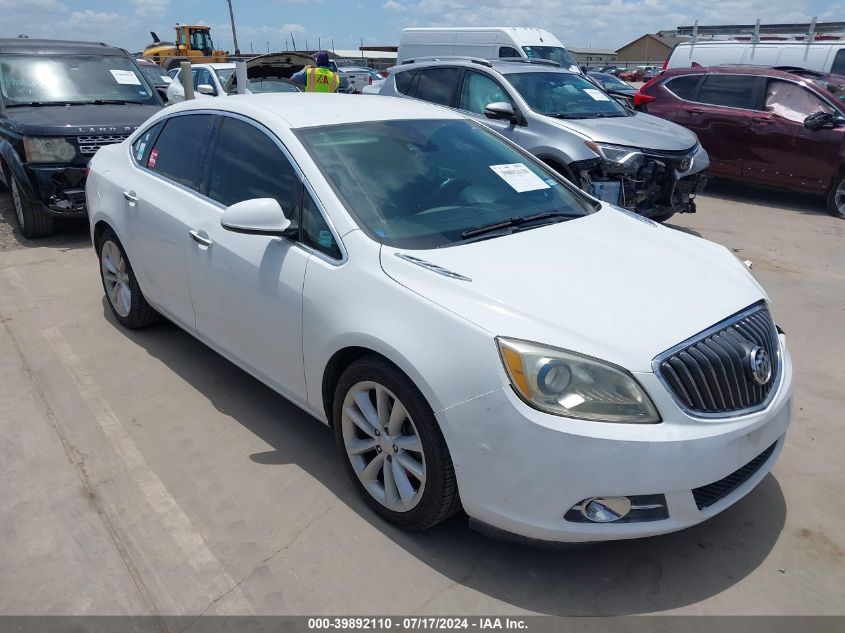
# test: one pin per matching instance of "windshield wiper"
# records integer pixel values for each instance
(109, 102)
(489, 229)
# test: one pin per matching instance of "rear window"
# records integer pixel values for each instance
(180, 149)
(437, 85)
(684, 87)
(731, 91)
(403, 81)
(838, 67)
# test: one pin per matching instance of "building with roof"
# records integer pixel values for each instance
(651, 47)
(592, 56)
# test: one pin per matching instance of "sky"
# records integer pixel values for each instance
(271, 23)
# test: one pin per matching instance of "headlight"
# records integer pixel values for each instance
(627, 156)
(575, 386)
(48, 150)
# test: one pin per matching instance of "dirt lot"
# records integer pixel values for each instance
(142, 473)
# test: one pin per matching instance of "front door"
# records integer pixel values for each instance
(477, 92)
(785, 153)
(247, 289)
(160, 204)
(721, 117)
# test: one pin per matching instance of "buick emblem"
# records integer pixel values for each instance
(760, 365)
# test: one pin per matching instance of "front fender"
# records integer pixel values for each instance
(13, 162)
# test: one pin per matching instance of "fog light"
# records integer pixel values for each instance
(606, 509)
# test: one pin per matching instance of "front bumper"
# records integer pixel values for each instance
(61, 189)
(520, 470)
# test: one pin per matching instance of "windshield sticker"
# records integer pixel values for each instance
(153, 158)
(140, 153)
(519, 177)
(126, 77)
(597, 95)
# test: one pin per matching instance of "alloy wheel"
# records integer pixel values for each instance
(839, 198)
(383, 446)
(116, 278)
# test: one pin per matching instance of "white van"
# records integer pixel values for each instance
(827, 57)
(485, 43)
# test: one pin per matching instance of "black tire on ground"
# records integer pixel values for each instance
(836, 197)
(440, 498)
(141, 314)
(662, 217)
(33, 221)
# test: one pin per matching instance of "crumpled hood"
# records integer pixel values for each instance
(641, 130)
(609, 285)
(79, 119)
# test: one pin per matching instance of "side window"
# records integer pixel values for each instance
(792, 102)
(684, 87)
(141, 148)
(314, 229)
(479, 91)
(246, 164)
(403, 81)
(437, 85)
(202, 76)
(508, 51)
(180, 149)
(731, 91)
(838, 67)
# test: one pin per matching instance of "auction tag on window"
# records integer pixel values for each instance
(151, 162)
(518, 176)
(597, 95)
(125, 77)
(166, 79)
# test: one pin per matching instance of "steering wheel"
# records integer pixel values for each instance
(459, 184)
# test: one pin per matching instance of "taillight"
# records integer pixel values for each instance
(665, 64)
(640, 99)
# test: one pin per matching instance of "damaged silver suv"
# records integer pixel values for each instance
(630, 159)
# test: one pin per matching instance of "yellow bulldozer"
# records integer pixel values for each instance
(193, 43)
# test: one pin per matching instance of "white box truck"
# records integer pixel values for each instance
(484, 43)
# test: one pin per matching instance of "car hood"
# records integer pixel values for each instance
(79, 119)
(641, 130)
(611, 285)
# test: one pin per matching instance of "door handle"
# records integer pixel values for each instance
(130, 197)
(696, 111)
(199, 239)
(762, 119)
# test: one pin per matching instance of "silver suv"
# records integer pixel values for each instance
(640, 162)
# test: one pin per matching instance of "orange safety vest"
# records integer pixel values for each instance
(319, 79)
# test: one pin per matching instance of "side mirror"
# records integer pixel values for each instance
(500, 110)
(819, 120)
(205, 89)
(259, 216)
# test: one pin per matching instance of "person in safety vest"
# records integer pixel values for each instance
(319, 78)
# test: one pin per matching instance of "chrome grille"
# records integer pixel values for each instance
(89, 145)
(711, 374)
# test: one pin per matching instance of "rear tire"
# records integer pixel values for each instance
(392, 447)
(123, 293)
(32, 220)
(836, 198)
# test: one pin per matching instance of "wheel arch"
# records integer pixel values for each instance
(559, 165)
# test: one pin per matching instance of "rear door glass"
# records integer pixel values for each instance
(403, 81)
(730, 91)
(141, 148)
(437, 85)
(685, 87)
(180, 149)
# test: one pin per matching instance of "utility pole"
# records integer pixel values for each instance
(234, 34)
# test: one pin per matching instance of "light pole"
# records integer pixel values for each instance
(232, 20)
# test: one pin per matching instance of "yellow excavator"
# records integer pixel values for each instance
(193, 43)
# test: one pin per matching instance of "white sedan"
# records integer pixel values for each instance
(478, 332)
(208, 80)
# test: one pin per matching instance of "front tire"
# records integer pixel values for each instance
(123, 293)
(392, 447)
(32, 220)
(836, 198)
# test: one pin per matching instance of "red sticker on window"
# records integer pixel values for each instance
(152, 161)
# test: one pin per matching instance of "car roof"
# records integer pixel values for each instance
(56, 47)
(300, 110)
(783, 72)
(503, 66)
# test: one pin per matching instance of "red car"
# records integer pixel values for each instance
(782, 127)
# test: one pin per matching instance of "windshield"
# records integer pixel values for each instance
(50, 79)
(611, 81)
(554, 53)
(155, 74)
(564, 95)
(426, 183)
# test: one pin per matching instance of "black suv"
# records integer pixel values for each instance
(59, 103)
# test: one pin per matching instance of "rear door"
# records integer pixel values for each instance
(721, 118)
(161, 204)
(673, 96)
(782, 151)
(436, 85)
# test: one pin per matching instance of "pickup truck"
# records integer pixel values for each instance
(356, 76)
